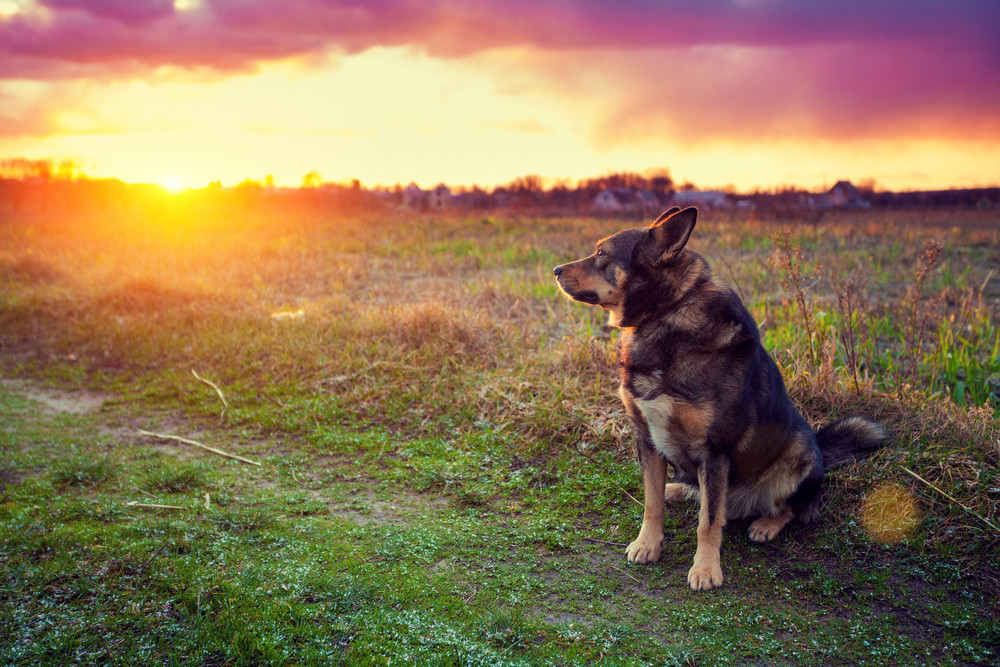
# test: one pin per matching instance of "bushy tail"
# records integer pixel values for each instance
(848, 440)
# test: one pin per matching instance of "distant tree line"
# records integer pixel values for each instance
(43, 186)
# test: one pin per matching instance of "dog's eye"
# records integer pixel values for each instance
(600, 252)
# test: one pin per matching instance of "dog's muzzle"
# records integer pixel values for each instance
(556, 271)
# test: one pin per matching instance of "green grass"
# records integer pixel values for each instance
(446, 475)
(297, 561)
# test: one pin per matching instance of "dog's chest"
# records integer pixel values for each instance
(657, 413)
(677, 427)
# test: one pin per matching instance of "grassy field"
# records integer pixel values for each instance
(446, 474)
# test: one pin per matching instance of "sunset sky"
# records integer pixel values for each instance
(722, 92)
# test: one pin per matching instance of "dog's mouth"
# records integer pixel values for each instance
(586, 296)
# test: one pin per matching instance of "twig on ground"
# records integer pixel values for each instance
(626, 574)
(153, 506)
(982, 286)
(142, 568)
(188, 441)
(614, 544)
(632, 497)
(208, 501)
(145, 492)
(952, 499)
(222, 397)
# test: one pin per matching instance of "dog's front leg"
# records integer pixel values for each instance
(646, 547)
(713, 482)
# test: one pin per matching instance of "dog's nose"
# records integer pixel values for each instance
(557, 270)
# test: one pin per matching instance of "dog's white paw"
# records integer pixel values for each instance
(704, 576)
(644, 549)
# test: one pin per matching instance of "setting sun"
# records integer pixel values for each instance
(172, 184)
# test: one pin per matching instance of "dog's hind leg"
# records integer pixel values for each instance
(766, 527)
(713, 484)
(676, 491)
(808, 497)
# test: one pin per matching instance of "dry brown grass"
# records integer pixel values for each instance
(28, 268)
(411, 324)
(445, 331)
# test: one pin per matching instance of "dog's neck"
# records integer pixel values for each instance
(653, 303)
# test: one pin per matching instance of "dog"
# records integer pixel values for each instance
(703, 394)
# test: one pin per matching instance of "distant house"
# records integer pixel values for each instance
(648, 201)
(439, 197)
(414, 198)
(845, 194)
(607, 201)
(626, 200)
(702, 198)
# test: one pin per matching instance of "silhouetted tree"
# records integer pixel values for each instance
(312, 179)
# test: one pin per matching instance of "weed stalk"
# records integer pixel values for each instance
(789, 260)
(849, 292)
(916, 305)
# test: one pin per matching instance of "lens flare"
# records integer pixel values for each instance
(889, 514)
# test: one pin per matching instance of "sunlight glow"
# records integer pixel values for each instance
(393, 115)
(10, 8)
(172, 184)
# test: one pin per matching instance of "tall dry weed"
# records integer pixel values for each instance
(917, 307)
(796, 278)
(850, 303)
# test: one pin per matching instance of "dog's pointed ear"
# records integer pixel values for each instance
(666, 214)
(670, 233)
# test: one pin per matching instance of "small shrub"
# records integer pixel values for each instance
(242, 521)
(177, 479)
(508, 629)
(84, 471)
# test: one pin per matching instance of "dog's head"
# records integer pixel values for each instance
(633, 270)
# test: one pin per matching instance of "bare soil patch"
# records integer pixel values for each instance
(72, 402)
(370, 509)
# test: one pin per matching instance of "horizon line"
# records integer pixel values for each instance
(67, 170)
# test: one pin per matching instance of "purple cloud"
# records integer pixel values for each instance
(126, 11)
(688, 68)
(238, 33)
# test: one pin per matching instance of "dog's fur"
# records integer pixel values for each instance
(703, 394)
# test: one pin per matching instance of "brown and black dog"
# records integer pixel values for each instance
(704, 395)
